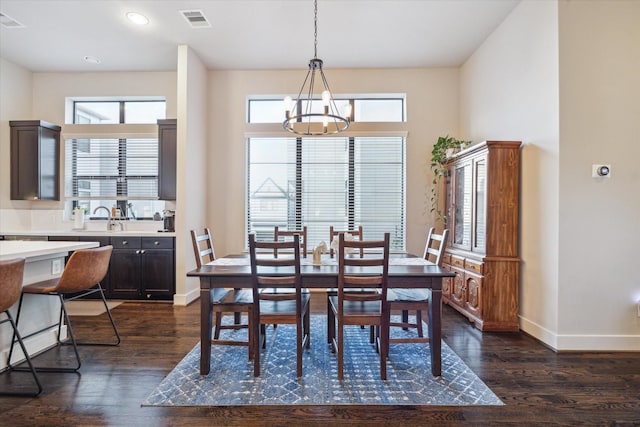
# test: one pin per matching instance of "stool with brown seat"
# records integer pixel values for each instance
(11, 275)
(81, 276)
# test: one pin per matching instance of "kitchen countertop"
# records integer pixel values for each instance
(101, 233)
(10, 249)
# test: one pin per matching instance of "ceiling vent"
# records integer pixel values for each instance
(8, 22)
(195, 18)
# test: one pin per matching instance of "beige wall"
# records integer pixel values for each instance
(432, 105)
(599, 218)
(537, 79)
(15, 104)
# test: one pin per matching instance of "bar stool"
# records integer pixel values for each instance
(11, 274)
(82, 275)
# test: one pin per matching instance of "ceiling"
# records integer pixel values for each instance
(247, 34)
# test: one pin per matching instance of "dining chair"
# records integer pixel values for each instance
(405, 300)
(334, 233)
(267, 271)
(224, 300)
(360, 308)
(82, 274)
(11, 276)
(278, 233)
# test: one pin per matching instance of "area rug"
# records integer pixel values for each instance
(89, 307)
(409, 380)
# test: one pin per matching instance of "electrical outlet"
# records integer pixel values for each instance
(56, 266)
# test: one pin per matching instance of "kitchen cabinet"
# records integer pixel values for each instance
(167, 146)
(35, 160)
(482, 208)
(142, 268)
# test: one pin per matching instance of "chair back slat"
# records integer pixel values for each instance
(357, 233)
(203, 247)
(284, 271)
(372, 271)
(435, 246)
(278, 233)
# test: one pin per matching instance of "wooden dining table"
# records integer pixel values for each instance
(405, 271)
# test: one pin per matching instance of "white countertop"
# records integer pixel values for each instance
(101, 233)
(10, 249)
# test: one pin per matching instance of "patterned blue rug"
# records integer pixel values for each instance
(409, 380)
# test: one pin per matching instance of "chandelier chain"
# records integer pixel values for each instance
(315, 29)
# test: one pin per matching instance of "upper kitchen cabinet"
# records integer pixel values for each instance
(167, 147)
(35, 160)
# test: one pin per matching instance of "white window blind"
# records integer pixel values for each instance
(111, 168)
(320, 182)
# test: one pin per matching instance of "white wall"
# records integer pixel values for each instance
(529, 81)
(191, 169)
(432, 105)
(599, 218)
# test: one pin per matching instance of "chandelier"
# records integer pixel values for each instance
(310, 114)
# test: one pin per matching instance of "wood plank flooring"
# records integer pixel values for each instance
(538, 386)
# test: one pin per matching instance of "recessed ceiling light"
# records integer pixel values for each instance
(137, 18)
(92, 59)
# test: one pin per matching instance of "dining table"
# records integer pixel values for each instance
(405, 271)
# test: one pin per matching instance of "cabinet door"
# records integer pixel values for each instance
(462, 204)
(124, 274)
(474, 294)
(480, 204)
(459, 290)
(35, 164)
(167, 146)
(157, 273)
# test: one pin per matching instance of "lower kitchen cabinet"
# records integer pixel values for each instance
(140, 267)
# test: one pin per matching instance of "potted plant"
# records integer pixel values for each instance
(446, 147)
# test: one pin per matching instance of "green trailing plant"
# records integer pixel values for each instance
(442, 151)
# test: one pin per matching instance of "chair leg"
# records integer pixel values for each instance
(405, 319)
(307, 327)
(63, 315)
(384, 345)
(256, 341)
(340, 351)
(299, 339)
(218, 323)
(419, 323)
(17, 336)
(113, 324)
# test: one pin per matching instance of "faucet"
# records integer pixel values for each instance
(111, 225)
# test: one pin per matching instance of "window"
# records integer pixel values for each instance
(118, 171)
(319, 182)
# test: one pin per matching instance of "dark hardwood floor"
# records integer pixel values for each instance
(538, 386)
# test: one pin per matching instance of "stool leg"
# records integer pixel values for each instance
(27, 358)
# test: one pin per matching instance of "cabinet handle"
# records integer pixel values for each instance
(142, 251)
(156, 243)
(124, 243)
(138, 251)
